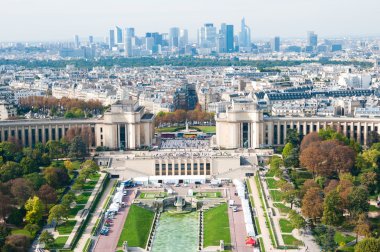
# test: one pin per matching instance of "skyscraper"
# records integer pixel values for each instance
(222, 39)
(230, 38)
(276, 44)
(119, 35)
(129, 41)
(245, 35)
(90, 39)
(207, 36)
(77, 43)
(174, 36)
(111, 42)
(184, 38)
(312, 39)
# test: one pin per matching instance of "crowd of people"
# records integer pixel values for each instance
(185, 144)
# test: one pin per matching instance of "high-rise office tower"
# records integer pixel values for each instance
(183, 38)
(312, 39)
(207, 36)
(276, 44)
(90, 39)
(222, 39)
(174, 36)
(130, 32)
(245, 35)
(77, 43)
(149, 43)
(119, 35)
(230, 38)
(129, 41)
(111, 42)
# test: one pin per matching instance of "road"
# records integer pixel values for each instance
(109, 243)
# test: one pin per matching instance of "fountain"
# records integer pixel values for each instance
(179, 203)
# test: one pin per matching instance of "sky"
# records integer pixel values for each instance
(52, 20)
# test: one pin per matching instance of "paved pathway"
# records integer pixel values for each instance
(95, 216)
(80, 215)
(237, 224)
(265, 234)
(109, 243)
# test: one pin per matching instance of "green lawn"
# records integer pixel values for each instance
(60, 241)
(136, 227)
(94, 177)
(73, 211)
(153, 195)
(340, 237)
(208, 195)
(21, 232)
(282, 208)
(373, 208)
(66, 227)
(291, 241)
(276, 195)
(206, 129)
(286, 226)
(272, 183)
(216, 226)
(89, 185)
(83, 198)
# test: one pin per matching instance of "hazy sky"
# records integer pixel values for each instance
(41, 20)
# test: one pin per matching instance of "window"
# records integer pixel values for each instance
(157, 169)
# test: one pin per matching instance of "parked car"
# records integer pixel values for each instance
(235, 208)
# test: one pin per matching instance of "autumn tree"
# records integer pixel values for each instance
(312, 204)
(308, 139)
(6, 205)
(17, 243)
(342, 158)
(56, 177)
(48, 195)
(34, 210)
(22, 190)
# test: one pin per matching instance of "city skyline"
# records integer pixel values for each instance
(51, 22)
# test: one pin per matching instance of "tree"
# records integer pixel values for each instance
(10, 170)
(17, 243)
(308, 139)
(324, 236)
(292, 160)
(6, 205)
(358, 201)
(369, 179)
(362, 227)
(67, 199)
(32, 228)
(287, 150)
(293, 137)
(332, 209)
(47, 195)
(34, 210)
(36, 180)
(296, 220)
(88, 168)
(368, 245)
(58, 213)
(47, 238)
(309, 183)
(77, 148)
(8, 150)
(290, 195)
(69, 166)
(342, 158)
(53, 148)
(56, 177)
(312, 204)
(22, 190)
(29, 165)
(4, 232)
